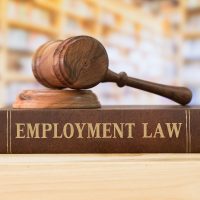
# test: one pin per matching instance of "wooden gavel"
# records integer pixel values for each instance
(82, 62)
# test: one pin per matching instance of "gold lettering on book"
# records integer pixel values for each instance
(20, 129)
(172, 129)
(10, 131)
(118, 130)
(159, 132)
(80, 128)
(68, 130)
(33, 131)
(188, 132)
(7, 132)
(106, 130)
(190, 135)
(145, 132)
(130, 129)
(46, 127)
(56, 134)
(97, 130)
(93, 132)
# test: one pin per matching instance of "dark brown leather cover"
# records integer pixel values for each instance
(54, 121)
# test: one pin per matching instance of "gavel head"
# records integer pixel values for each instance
(78, 62)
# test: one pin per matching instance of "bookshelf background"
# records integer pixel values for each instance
(153, 40)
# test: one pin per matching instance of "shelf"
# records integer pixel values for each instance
(78, 16)
(67, 11)
(192, 60)
(193, 11)
(111, 44)
(21, 51)
(73, 33)
(134, 15)
(13, 77)
(101, 19)
(192, 35)
(47, 6)
(44, 5)
(115, 28)
(31, 27)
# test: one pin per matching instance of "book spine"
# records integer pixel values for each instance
(100, 131)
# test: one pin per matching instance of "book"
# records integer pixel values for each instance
(110, 129)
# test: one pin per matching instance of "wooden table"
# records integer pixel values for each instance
(99, 177)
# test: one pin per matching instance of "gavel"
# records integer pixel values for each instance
(82, 62)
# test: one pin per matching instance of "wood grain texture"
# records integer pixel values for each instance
(78, 62)
(181, 95)
(57, 99)
(127, 176)
(81, 62)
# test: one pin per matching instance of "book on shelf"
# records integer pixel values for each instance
(110, 129)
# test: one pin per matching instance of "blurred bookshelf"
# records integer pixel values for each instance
(153, 40)
(190, 46)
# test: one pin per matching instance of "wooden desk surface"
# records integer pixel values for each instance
(99, 177)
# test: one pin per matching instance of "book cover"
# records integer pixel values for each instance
(110, 129)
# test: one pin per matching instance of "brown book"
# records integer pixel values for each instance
(111, 129)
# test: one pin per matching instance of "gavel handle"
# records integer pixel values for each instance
(181, 95)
